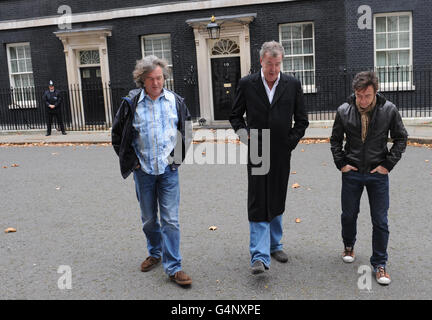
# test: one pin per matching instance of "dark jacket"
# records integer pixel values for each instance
(267, 193)
(373, 152)
(52, 98)
(123, 132)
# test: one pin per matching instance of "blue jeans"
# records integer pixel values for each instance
(163, 238)
(265, 239)
(377, 186)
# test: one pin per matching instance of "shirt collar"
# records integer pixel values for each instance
(144, 94)
(265, 82)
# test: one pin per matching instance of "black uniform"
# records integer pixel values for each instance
(53, 98)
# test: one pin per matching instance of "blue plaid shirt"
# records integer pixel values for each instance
(155, 123)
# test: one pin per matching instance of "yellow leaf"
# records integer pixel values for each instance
(297, 220)
(212, 228)
(295, 185)
(10, 230)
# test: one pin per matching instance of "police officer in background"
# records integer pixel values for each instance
(53, 100)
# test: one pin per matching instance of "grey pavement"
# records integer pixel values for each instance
(71, 208)
(419, 130)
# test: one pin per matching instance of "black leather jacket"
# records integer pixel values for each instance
(373, 152)
(123, 132)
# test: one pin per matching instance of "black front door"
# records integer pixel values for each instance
(92, 94)
(225, 76)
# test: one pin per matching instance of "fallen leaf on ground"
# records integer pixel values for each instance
(4, 167)
(302, 150)
(294, 172)
(212, 228)
(297, 220)
(14, 165)
(57, 188)
(426, 160)
(8, 230)
(295, 185)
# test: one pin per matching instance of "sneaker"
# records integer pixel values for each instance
(149, 263)
(181, 278)
(348, 255)
(280, 256)
(382, 276)
(257, 267)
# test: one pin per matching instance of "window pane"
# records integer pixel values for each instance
(14, 66)
(20, 51)
(287, 47)
(157, 45)
(13, 54)
(393, 40)
(404, 23)
(309, 78)
(297, 32)
(308, 63)
(392, 24)
(307, 31)
(25, 81)
(286, 32)
(158, 53)
(307, 46)
(27, 52)
(404, 58)
(404, 40)
(393, 58)
(381, 24)
(381, 40)
(21, 66)
(17, 81)
(287, 64)
(147, 44)
(381, 59)
(298, 63)
(28, 64)
(297, 47)
(167, 56)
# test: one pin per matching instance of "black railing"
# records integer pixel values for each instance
(409, 90)
(93, 107)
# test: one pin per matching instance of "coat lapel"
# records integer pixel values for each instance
(280, 89)
(259, 86)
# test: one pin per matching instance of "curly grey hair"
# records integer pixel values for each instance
(273, 48)
(146, 65)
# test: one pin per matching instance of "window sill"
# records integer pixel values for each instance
(24, 106)
(388, 87)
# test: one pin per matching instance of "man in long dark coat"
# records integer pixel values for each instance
(271, 100)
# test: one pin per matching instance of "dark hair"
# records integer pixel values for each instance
(365, 79)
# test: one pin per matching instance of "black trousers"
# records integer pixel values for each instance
(58, 117)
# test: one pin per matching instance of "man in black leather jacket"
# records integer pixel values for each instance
(365, 161)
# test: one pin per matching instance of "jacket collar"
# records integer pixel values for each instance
(259, 86)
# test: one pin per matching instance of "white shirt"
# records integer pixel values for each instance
(270, 93)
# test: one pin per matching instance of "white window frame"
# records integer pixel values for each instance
(395, 85)
(23, 104)
(306, 88)
(170, 79)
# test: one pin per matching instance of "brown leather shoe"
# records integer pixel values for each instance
(149, 263)
(181, 278)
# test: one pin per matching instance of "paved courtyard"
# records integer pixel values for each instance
(76, 216)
